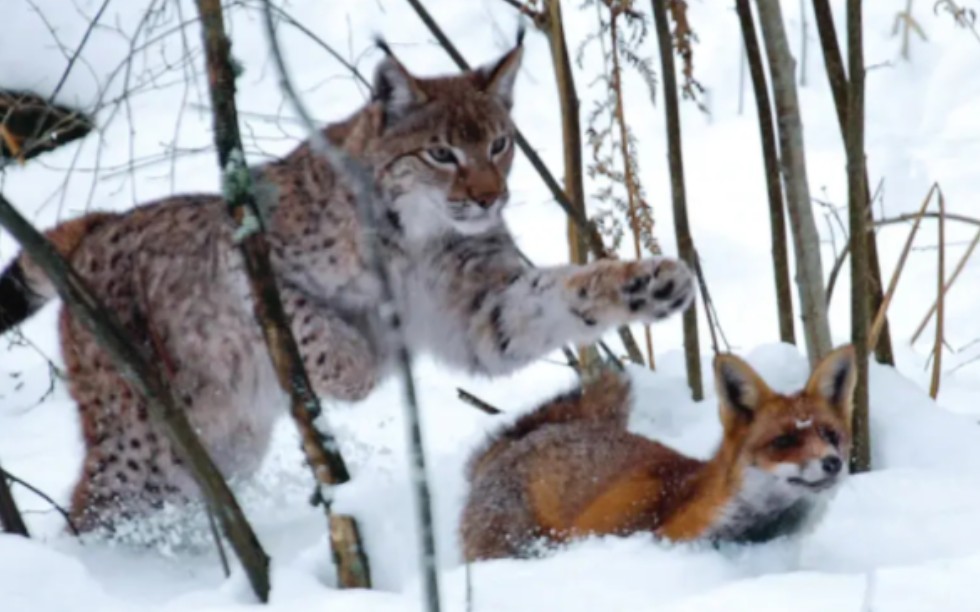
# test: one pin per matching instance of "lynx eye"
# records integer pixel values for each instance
(442, 155)
(785, 441)
(498, 146)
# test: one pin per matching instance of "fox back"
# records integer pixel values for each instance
(571, 468)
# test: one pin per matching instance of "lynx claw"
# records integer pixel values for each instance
(660, 288)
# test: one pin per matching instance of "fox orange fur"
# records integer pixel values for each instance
(570, 468)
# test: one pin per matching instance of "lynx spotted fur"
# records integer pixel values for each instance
(441, 149)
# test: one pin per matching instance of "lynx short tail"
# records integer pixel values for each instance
(24, 287)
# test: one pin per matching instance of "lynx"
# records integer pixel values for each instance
(440, 149)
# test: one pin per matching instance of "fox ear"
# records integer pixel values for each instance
(833, 380)
(497, 78)
(394, 86)
(740, 390)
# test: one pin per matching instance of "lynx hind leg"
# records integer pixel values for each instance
(339, 358)
(129, 467)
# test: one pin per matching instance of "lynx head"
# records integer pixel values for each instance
(443, 146)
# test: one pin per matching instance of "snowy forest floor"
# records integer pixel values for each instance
(904, 537)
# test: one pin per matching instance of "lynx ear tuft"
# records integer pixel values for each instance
(394, 87)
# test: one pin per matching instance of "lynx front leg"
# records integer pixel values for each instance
(339, 359)
(540, 310)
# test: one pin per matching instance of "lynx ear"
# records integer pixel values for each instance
(740, 390)
(394, 86)
(497, 78)
(833, 380)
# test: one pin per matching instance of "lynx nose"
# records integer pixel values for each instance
(832, 465)
(485, 200)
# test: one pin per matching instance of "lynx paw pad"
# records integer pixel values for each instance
(659, 288)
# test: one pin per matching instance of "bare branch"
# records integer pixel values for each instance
(318, 443)
(10, 517)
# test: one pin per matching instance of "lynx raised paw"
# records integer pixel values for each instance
(658, 288)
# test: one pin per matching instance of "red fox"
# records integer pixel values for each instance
(570, 468)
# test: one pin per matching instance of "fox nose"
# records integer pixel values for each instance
(832, 465)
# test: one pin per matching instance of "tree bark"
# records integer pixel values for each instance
(857, 209)
(806, 240)
(777, 217)
(134, 363)
(10, 516)
(685, 244)
(318, 444)
(838, 87)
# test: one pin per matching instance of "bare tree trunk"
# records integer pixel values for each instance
(858, 213)
(806, 240)
(134, 363)
(838, 87)
(10, 517)
(586, 229)
(319, 445)
(777, 218)
(685, 244)
(578, 246)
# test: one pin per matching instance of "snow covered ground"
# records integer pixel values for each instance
(902, 538)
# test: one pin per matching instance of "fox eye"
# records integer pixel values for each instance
(499, 145)
(785, 441)
(831, 436)
(442, 155)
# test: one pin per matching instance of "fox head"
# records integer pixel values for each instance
(442, 147)
(796, 445)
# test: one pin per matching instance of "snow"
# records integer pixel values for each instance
(902, 538)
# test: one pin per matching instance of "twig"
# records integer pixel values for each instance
(218, 544)
(585, 228)
(364, 195)
(318, 443)
(133, 363)
(940, 302)
(57, 507)
(774, 189)
(682, 229)
(956, 272)
(10, 517)
(893, 283)
(903, 218)
(477, 403)
(706, 301)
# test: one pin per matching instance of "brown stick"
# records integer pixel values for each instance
(858, 214)
(838, 87)
(879, 319)
(477, 403)
(582, 222)
(777, 215)
(578, 247)
(937, 349)
(952, 279)
(134, 364)
(806, 240)
(319, 445)
(10, 517)
(685, 244)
